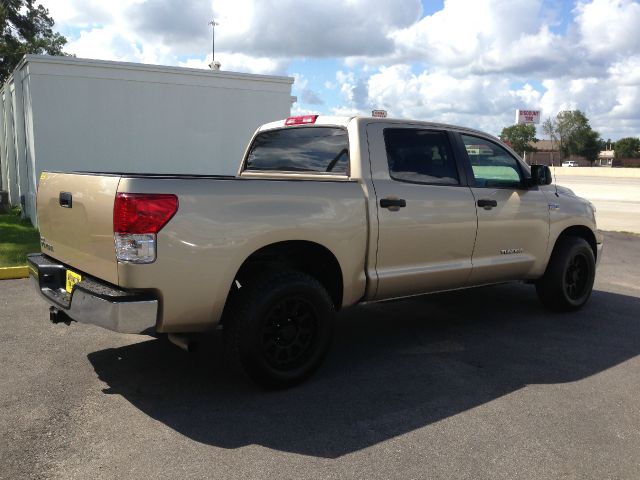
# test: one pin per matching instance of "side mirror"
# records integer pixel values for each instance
(540, 175)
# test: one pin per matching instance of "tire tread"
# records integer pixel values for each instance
(550, 288)
(239, 314)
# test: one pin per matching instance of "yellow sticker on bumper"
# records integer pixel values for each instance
(72, 279)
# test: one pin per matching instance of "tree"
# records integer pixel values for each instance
(550, 129)
(576, 135)
(585, 142)
(607, 144)
(568, 122)
(628, 147)
(520, 136)
(25, 28)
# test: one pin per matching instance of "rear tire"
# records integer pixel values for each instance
(568, 280)
(279, 328)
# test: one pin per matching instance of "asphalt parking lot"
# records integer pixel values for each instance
(476, 384)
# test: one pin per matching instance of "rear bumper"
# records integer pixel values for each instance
(92, 301)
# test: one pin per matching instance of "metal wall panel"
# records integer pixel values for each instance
(88, 115)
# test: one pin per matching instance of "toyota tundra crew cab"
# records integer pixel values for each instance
(324, 213)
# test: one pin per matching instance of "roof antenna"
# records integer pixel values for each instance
(214, 65)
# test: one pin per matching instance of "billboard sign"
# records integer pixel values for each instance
(528, 116)
(379, 113)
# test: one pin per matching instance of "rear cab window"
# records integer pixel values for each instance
(314, 149)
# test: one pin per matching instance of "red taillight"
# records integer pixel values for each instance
(301, 120)
(143, 212)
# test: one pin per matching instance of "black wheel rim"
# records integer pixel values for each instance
(289, 333)
(577, 277)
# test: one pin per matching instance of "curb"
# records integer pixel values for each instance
(606, 172)
(8, 273)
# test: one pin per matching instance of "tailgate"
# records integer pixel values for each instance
(75, 217)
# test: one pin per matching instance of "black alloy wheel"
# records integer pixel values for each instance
(289, 333)
(577, 277)
(568, 281)
(279, 327)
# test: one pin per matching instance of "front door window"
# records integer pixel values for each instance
(492, 165)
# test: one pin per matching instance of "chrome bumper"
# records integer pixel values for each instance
(91, 301)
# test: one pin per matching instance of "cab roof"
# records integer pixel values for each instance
(343, 121)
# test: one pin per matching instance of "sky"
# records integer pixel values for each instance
(464, 62)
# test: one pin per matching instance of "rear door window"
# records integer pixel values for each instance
(302, 149)
(420, 156)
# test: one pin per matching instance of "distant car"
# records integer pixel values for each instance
(570, 163)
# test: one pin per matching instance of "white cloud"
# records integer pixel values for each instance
(627, 71)
(477, 101)
(483, 36)
(180, 28)
(265, 28)
(528, 96)
(610, 104)
(105, 43)
(584, 93)
(487, 102)
(296, 110)
(106, 33)
(345, 112)
(306, 95)
(237, 62)
(319, 29)
(472, 62)
(353, 90)
(84, 13)
(609, 28)
(470, 53)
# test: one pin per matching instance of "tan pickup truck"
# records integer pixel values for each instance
(324, 213)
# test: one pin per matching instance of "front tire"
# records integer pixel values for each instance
(279, 329)
(568, 280)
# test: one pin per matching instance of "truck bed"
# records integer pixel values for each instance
(220, 222)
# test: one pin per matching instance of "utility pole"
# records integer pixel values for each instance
(213, 65)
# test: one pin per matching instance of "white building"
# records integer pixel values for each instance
(605, 158)
(69, 114)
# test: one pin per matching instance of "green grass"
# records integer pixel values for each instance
(17, 238)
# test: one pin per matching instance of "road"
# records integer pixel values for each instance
(477, 384)
(617, 199)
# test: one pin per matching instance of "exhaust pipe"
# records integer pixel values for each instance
(58, 316)
(185, 342)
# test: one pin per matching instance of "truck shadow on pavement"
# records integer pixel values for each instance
(394, 367)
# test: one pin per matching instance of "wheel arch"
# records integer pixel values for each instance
(580, 231)
(305, 256)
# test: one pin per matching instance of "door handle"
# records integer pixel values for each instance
(487, 204)
(65, 199)
(393, 204)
